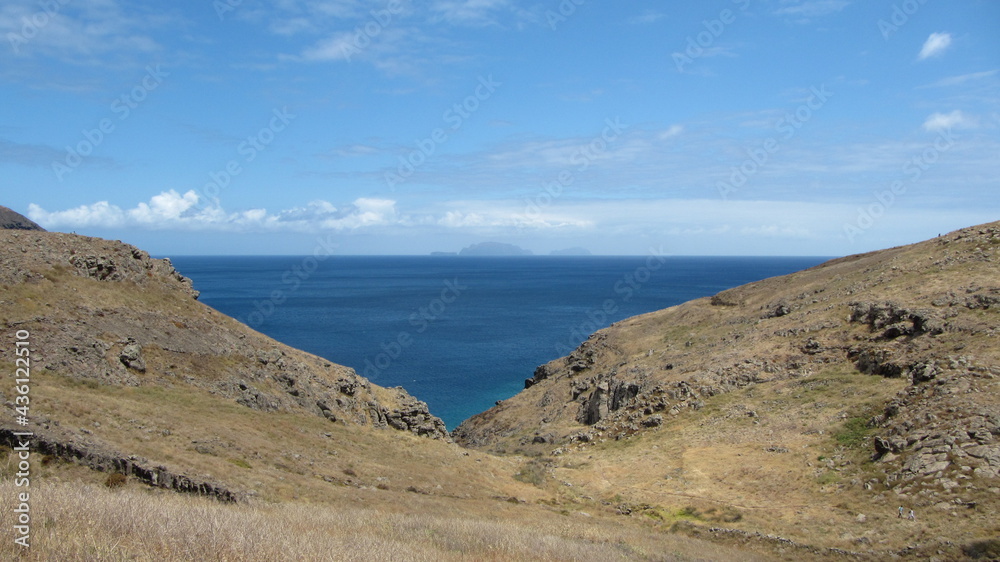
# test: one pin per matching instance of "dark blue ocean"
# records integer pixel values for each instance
(459, 333)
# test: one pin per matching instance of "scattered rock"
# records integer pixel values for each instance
(131, 356)
(653, 421)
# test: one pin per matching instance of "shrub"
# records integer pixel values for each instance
(989, 549)
(116, 480)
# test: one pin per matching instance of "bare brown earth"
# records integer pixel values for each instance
(810, 406)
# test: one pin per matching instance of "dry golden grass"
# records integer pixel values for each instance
(86, 522)
(797, 467)
(719, 458)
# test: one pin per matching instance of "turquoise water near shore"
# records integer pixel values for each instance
(459, 333)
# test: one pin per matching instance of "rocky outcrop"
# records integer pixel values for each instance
(894, 321)
(129, 265)
(30, 256)
(412, 415)
(541, 373)
(941, 437)
(607, 397)
(98, 457)
(131, 356)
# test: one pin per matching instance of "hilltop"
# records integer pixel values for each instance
(809, 406)
(11, 220)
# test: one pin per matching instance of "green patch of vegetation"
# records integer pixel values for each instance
(534, 472)
(854, 434)
(240, 463)
(827, 478)
(687, 513)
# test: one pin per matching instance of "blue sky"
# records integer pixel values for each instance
(755, 127)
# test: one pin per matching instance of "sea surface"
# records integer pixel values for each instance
(459, 333)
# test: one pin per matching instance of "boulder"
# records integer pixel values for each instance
(131, 356)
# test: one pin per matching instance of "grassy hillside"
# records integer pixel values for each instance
(809, 406)
(137, 389)
(786, 419)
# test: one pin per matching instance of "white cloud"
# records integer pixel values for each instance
(101, 213)
(962, 79)
(954, 120)
(173, 211)
(335, 48)
(688, 226)
(709, 52)
(350, 151)
(467, 12)
(935, 45)
(395, 50)
(808, 9)
(365, 212)
(647, 17)
(673, 131)
(76, 32)
(167, 206)
(291, 26)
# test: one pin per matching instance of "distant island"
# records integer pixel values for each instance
(502, 249)
(494, 249)
(575, 251)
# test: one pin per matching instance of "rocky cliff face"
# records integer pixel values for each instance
(105, 313)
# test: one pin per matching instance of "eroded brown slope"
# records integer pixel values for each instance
(104, 317)
(800, 402)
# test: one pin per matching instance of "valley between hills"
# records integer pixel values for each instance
(787, 419)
